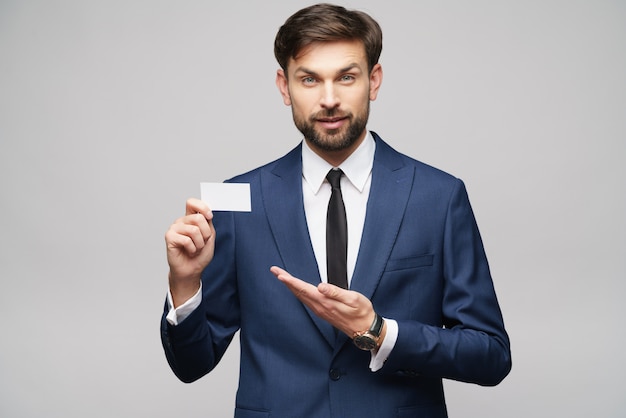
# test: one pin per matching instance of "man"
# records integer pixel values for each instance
(419, 304)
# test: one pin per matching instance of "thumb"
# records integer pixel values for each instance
(330, 290)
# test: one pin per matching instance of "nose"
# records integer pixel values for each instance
(329, 99)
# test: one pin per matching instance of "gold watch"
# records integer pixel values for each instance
(368, 340)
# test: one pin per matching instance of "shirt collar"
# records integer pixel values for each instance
(357, 167)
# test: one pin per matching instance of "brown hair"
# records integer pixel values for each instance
(326, 23)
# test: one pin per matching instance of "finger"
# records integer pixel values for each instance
(194, 205)
(347, 297)
(280, 273)
(204, 225)
(330, 290)
(285, 277)
(175, 240)
(300, 288)
(186, 236)
(200, 221)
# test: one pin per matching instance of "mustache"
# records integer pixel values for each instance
(330, 113)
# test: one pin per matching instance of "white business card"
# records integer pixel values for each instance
(226, 196)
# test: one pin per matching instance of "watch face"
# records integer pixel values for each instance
(365, 342)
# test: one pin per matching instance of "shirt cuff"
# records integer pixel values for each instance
(379, 357)
(177, 315)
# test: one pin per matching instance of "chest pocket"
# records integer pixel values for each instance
(409, 262)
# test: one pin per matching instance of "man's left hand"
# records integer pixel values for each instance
(346, 310)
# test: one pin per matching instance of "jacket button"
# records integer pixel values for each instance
(335, 374)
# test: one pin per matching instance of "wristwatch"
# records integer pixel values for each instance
(368, 340)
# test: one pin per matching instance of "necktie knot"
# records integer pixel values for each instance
(334, 178)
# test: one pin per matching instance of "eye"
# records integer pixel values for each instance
(347, 78)
(308, 80)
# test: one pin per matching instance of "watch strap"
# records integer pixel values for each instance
(377, 326)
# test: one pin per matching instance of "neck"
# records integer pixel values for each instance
(336, 157)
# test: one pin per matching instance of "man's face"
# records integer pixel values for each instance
(329, 87)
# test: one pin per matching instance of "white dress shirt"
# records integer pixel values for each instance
(355, 188)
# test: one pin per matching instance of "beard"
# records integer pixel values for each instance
(333, 139)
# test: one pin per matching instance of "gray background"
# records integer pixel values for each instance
(113, 112)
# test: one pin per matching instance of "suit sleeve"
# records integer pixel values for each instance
(196, 345)
(472, 345)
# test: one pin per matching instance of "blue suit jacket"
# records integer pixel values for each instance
(421, 262)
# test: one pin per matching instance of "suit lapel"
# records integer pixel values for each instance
(392, 181)
(281, 188)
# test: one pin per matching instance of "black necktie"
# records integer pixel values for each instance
(336, 234)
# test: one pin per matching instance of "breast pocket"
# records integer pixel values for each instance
(396, 264)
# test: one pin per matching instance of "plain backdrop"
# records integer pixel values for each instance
(113, 112)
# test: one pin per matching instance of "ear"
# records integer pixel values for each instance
(283, 86)
(376, 79)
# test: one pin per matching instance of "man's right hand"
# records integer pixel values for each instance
(190, 244)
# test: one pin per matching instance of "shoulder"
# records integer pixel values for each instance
(390, 159)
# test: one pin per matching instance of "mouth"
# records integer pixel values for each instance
(333, 122)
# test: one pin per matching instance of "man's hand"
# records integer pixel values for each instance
(346, 310)
(190, 244)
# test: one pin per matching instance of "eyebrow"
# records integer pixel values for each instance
(341, 71)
